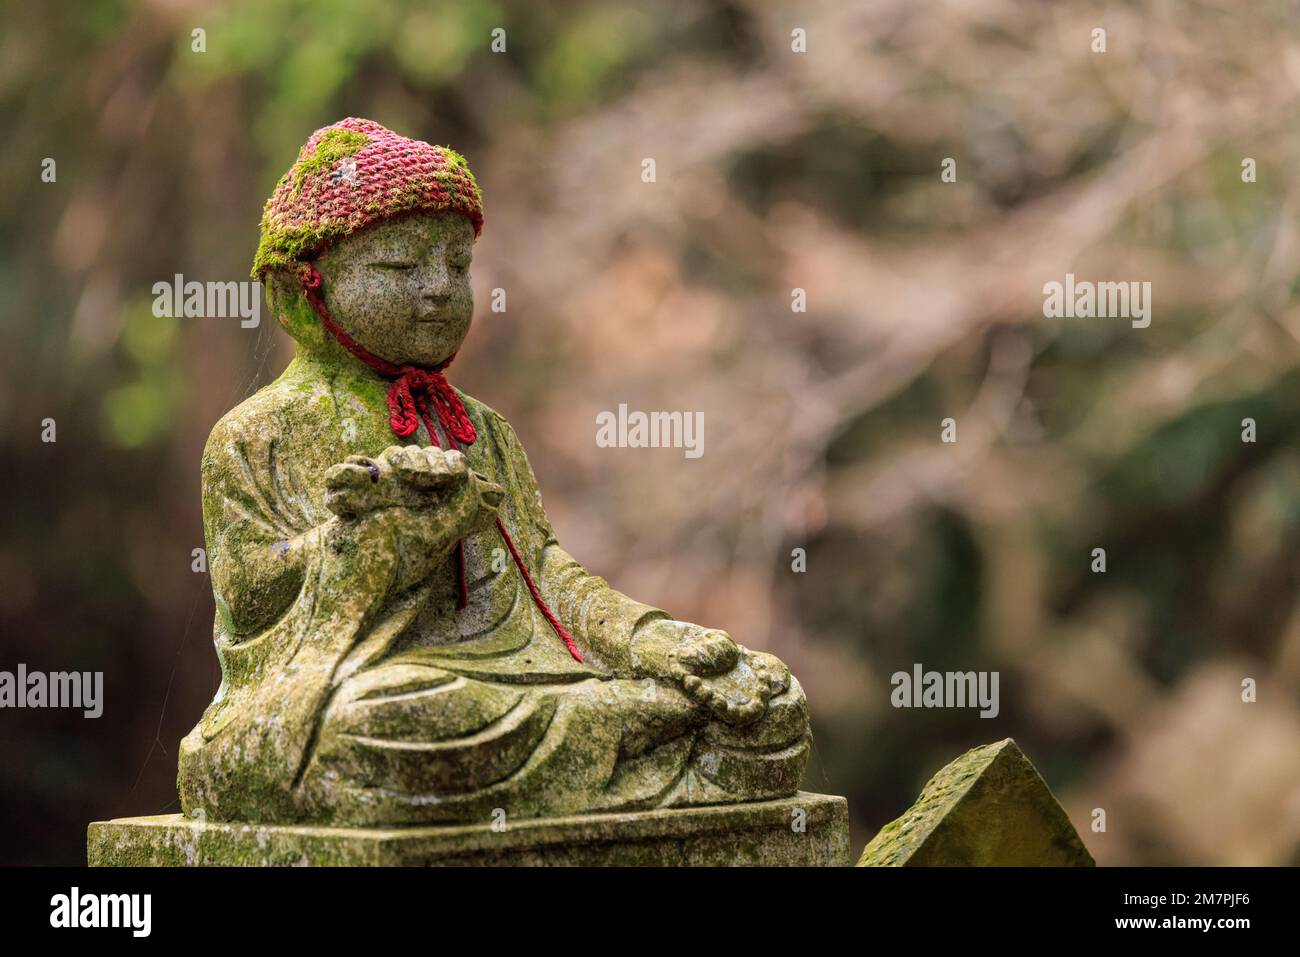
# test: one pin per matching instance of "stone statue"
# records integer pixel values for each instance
(402, 639)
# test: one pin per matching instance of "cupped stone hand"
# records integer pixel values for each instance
(403, 477)
(732, 682)
(419, 501)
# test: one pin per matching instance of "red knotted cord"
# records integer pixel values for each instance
(411, 391)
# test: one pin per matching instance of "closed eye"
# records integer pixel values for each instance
(393, 264)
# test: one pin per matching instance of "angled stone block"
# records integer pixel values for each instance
(989, 808)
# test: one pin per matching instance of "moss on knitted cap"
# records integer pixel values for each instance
(334, 145)
(353, 174)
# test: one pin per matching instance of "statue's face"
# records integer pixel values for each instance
(401, 288)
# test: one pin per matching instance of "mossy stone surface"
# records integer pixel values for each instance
(403, 641)
(989, 808)
(806, 830)
(360, 686)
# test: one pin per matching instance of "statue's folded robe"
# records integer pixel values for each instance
(347, 702)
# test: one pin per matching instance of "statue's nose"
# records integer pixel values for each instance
(435, 284)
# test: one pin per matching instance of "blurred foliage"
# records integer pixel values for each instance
(775, 170)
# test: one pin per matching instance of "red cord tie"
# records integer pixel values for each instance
(412, 391)
(415, 388)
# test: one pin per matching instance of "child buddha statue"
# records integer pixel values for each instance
(402, 639)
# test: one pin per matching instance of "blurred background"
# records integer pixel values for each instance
(776, 170)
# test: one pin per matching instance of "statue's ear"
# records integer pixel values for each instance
(285, 297)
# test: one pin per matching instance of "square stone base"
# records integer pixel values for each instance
(804, 830)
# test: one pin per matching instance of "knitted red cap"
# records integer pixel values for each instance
(353, 174)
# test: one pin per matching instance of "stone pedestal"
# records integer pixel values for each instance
(807, 830)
